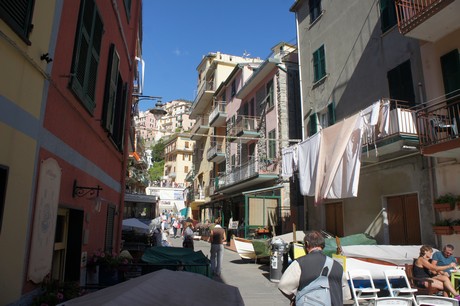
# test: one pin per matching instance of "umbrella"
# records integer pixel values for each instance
(164, 287)
(135, 224)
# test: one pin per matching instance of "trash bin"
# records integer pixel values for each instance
(278, 260)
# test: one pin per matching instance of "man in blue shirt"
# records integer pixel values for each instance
(445, 257)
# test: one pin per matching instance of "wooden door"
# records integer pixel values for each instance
(334, 218)
(403, 220)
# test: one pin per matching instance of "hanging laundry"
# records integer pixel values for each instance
(308, 152)
(289, 161)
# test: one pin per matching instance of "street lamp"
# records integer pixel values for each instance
(158, 111)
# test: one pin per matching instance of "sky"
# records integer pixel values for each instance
(177, 34)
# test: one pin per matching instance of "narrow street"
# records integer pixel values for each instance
(251, 279)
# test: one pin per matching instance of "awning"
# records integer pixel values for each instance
(140, 198)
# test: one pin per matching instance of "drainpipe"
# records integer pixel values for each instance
(300, 79)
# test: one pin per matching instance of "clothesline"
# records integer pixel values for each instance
(242, 138)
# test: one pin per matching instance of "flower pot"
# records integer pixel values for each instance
(443, 230)
(443, 207)
(108, 276)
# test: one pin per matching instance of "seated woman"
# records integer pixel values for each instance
(423, 268)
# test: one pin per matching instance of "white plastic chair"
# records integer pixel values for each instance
(403, 291)
(360, 293)
(423, 300)
(390, 301)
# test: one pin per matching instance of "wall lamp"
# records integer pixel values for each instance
(82, 191)
(158, 110)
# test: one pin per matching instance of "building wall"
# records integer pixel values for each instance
(23, 89)
(431, 54)
(41, 119)
(356, 66)
(447, 170)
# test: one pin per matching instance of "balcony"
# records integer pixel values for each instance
(200, 128)
(218, 115)
(399, 139)
(204, 95)
(438, 128)
(427, 20)
(253, 172)
(216, 153)
(245, 129)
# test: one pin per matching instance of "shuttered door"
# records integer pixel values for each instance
(334, 218)
(404, 220)
(109, 229)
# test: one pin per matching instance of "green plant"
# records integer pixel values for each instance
(107, 259)
(443, 222)
(55, 292)
(448, 198)
(455, 222)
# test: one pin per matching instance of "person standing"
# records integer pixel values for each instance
(188, 236)
(217, 238)
(444, 258)
(308, 268)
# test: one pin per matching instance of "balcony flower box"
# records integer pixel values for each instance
(443, 230)
(446, 202)
(443, 227)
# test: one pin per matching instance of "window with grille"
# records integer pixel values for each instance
(18, 15)
(87, 54)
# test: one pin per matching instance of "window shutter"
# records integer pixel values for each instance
(450, 65)
(18, 15)
(111, 84)
(388, 14)
(86, 54)
(331, 113)
(313, 124)
(109, 229)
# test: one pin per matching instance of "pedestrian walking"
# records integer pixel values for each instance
(217, 238)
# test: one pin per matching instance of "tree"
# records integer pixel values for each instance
(156, 171)
(158, 151)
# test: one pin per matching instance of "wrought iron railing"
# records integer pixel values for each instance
(252, 168)
(244, 124)
(438, 122)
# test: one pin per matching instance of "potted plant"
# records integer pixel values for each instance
(456, 226)
(445, 202)
(106, 265)
(443, 227)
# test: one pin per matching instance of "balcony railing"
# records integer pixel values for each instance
(215, 150)
(204, 86)
(201, 125)
(245, 126)
(219, 113)
(401, 122)
(251, 169)
(412, 13)
(438, 123)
